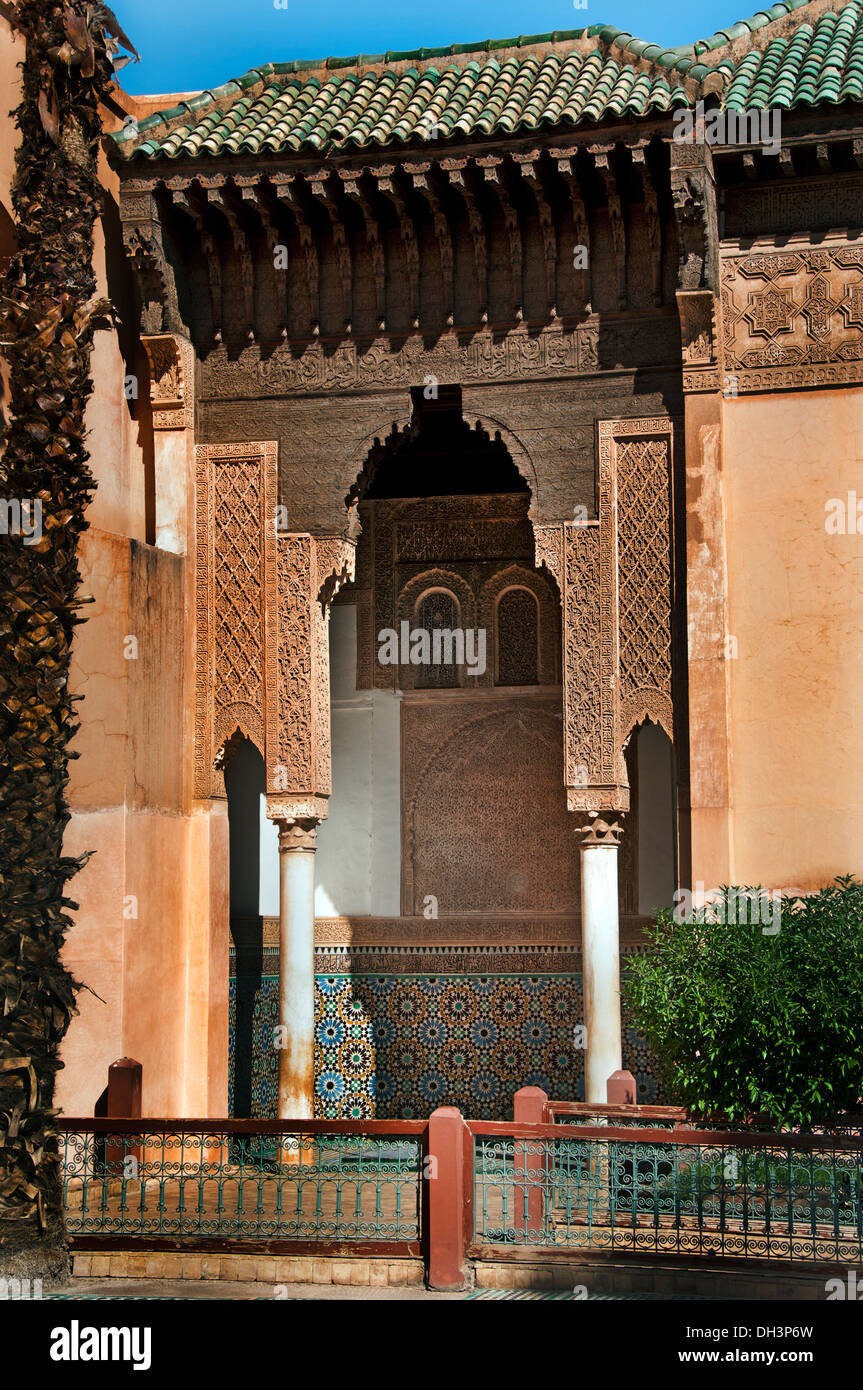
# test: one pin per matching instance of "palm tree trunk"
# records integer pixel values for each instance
(46, 333)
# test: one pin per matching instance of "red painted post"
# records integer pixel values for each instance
(125, 1087)
(621, 1089)
(445, 1205)
(530, 1107)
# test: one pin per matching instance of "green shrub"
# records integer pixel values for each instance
(752, 1024)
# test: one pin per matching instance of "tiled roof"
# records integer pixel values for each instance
(511, 87)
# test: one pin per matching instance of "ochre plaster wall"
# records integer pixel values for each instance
(795, 607)
(156, 981)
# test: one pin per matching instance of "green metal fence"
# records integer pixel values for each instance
(761, 1196)
(239, 1183)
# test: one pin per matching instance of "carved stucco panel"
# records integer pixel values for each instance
(635, 530)
(236, 591)
(792, 319)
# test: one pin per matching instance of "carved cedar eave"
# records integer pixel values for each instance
(491, 167)
(323, 193)
(651, 212)
(564, 162)
(144, 243)
(693, 193)
(456, 170)
(372, 228)
(237, 616)
(221, 196)
(186, 201)
(602, 161)
(388, 186)
(255, 197)
(418, 173)
(288, 195)
(529, 171)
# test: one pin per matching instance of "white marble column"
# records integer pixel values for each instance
(297, 842)
(600, 937)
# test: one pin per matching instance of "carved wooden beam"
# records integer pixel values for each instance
(185, 200)
(287, 194)
(654, 229)
(254, 197)
(143, 239)
(455, 170)
(490, 165)
(220, 197)
(408, 235)
(353, 191)
(530, 175)
(418, 174)
(581, 226)
(602, 160)
(693, 193)
(320, 189)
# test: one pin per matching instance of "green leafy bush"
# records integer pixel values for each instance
(753, 1022)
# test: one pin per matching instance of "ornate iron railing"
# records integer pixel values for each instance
(243, 1181)
(784, 1197)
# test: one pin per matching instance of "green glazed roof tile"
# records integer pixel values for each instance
(509, 86)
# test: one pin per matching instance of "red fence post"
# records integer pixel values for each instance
(621, 1089)
(125, 1088)
(445, 1205)
(530, 1107)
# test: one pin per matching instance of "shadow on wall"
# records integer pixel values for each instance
(245, 784)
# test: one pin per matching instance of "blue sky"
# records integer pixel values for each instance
(190, 44)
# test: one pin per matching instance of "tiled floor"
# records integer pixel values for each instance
(160, 1289)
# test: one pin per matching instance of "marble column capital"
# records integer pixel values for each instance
(297, 834)
(598, 833)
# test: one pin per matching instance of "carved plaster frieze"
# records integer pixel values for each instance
(480, 356)
(793, 318)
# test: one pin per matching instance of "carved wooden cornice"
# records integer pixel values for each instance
(242, 204)
(602, 160)
(288, 195)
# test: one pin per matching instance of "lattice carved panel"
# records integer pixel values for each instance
(615, 580)
(236, 593)
(635, 533)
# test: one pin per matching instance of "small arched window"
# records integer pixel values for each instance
(517, 638)
(438, 618)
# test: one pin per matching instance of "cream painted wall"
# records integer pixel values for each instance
(796, 611)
